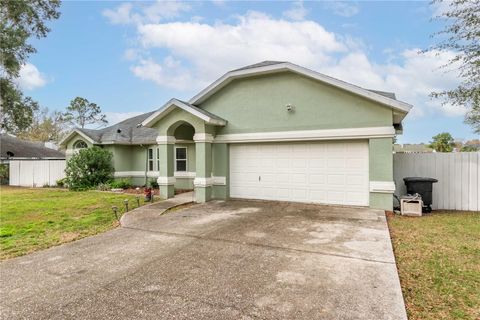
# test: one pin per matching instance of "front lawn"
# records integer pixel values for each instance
(33, 219)
(438, 259)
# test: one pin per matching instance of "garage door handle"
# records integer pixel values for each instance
(259, 178)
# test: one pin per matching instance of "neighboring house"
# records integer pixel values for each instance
(30, 163)
(412, 148)
(12, 148)
(273, 130)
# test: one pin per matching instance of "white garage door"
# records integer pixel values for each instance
(320, 172)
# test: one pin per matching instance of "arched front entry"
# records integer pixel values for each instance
(179, 133)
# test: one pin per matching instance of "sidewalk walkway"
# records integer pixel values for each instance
(146, 214)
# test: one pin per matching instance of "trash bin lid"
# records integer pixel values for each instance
(419, 179)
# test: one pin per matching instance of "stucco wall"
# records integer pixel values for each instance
(259, 105)
(381, 169)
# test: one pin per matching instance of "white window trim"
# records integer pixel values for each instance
(186, 159)
(150, 159)
(79, 141)
(184, 174)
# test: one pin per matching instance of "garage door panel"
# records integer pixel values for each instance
(336, 197)
(299, 179)
(355, 181)
(336, 180)
(336, 163)
(317, 179)
(300, 195)
(322, 172)
(282, 163)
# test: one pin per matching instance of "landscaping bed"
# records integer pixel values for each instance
(38, 218)
(438, 263)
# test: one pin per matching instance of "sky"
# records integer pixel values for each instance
(132, 57)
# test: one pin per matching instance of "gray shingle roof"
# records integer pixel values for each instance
(124, 132)
(25, 149)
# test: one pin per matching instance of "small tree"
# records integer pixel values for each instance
(82, 112)
(442, 142)
(88, 168)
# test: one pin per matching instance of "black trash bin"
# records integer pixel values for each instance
(423, 186)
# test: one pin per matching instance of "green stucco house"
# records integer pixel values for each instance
(272, 130)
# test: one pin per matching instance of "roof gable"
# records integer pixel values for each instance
(268, 67)
(175, 103)
(74, 133)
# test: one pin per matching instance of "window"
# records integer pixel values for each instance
(181, 159)
(79, 144)
(158, 159)
(150, 159)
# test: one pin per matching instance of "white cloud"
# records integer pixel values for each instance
(210, 50)
(168, 74)
(116, 117)
(198, 53)
(30, 78)
(154, 12)
(344, 9)
(120, 15)
(297, 12)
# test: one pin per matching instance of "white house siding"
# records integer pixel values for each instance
(36, 173)
(458, 175)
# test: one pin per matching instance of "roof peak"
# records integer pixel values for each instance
(260, 64)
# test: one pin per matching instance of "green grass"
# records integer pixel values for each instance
(34, 219)
(438, 259)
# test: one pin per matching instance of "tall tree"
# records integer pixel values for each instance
(20, 20)
(461, 35)
(16, 111)
(442, 142)
(45, 127)
(81, 112)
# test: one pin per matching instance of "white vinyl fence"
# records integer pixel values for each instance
(458, 175)
(36, 173)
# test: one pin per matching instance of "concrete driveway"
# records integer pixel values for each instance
(221, 260)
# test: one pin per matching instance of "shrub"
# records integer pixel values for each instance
(88, 168)
(4, 172)
(104, 186)
(61, 182)
(153, 184)
(121, 184)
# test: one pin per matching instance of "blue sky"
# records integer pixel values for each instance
(132, 57)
